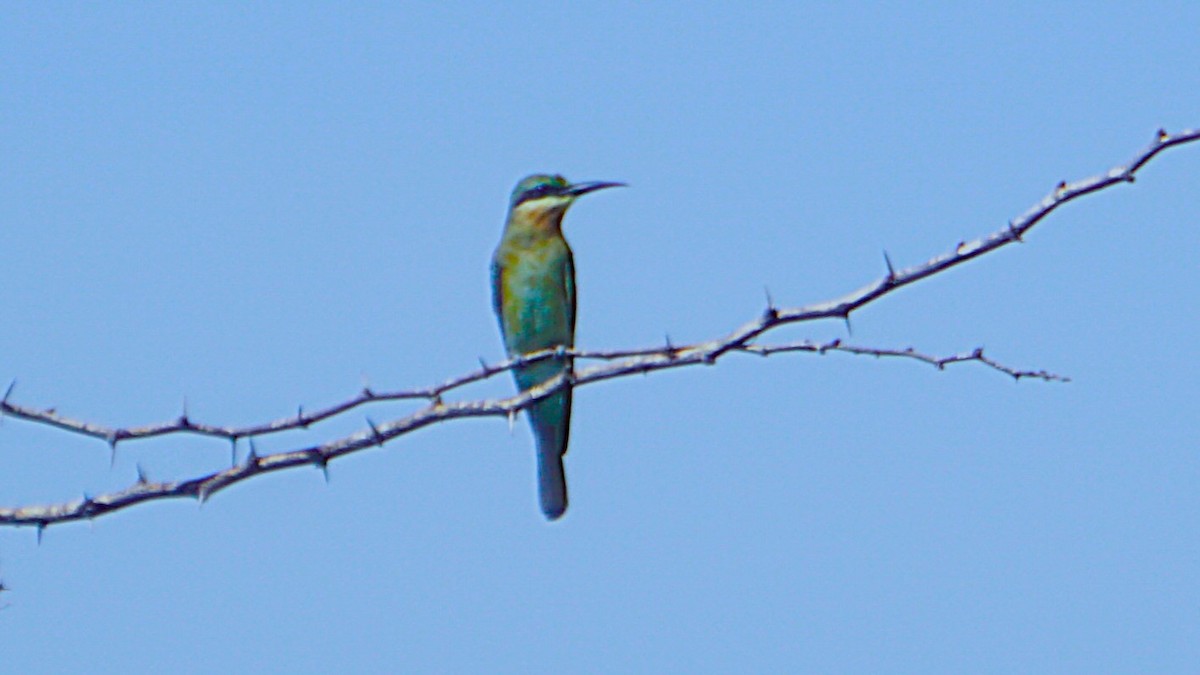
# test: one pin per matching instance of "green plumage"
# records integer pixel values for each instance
(533, 294)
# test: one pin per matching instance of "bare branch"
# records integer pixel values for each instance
(939, 362)
(203, 487)
(620, 363)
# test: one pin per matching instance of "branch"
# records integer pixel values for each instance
(938, 362)
(620, 363)
(203, 487)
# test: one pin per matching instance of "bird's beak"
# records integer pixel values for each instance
(579, 189)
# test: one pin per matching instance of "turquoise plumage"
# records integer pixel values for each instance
(533, 295)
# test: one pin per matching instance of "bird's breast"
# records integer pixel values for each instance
(536, 304)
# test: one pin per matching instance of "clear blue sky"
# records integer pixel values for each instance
(260, 207)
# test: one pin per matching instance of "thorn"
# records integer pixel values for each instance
(183, 416)
(322, 461)
(1162, 135)
(1016, 234)
(233, 451)
(366, 387)
(112, 451)
(484, 366)
(41, 528)
(142, 480)
(8, 392)
(252, 455)
(1061, 187)
(771, 312)
(978, 353)
(669, 347)
(202, 494)
(891, 270)
(375, 433)
(849, 328)
(512, 419)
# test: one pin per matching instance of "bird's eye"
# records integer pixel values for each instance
(538, 192)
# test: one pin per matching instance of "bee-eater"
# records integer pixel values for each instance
(533, 293)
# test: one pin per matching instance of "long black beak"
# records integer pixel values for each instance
(579, 189)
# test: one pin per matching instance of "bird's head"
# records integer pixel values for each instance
(540, 195)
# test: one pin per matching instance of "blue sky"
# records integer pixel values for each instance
(257, 207)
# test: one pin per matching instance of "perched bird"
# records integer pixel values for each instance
(533, 293)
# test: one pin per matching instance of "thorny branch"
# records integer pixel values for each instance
(619, 364)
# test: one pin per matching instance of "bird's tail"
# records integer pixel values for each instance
(551, 421)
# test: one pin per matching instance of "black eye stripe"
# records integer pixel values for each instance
(539, 191)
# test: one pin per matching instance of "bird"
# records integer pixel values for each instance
(533, 295)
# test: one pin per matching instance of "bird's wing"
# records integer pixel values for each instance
(498, 290)
(569, 285)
